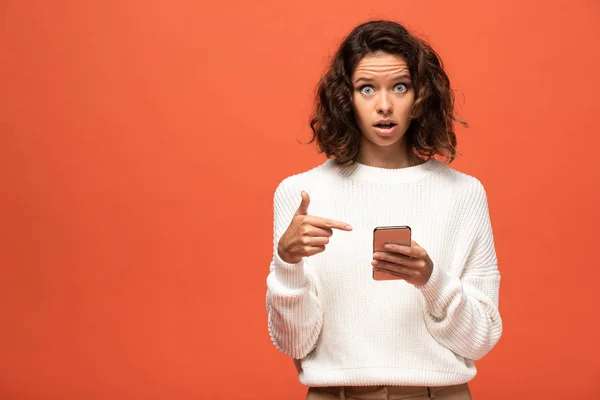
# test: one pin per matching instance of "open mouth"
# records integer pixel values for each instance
(386, 129)
(386, 126)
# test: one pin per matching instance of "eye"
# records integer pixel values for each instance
(401, 87)
(367, 89)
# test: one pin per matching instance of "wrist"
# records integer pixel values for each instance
(285, 256)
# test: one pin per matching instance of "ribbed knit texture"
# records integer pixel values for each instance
(349, 329)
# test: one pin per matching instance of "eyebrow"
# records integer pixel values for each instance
(362, 78)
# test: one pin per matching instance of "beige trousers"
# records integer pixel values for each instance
(456, 392)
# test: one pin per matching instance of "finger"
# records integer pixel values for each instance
(415, 263)
(303, 207)
(420, 250)
(315, 231)
(393, 273)
(409, 251)
(328, 223)
(385, 266)
(315, 241)
(312, 250)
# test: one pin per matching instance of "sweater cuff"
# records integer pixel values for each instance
(437, 287)
(290, 277)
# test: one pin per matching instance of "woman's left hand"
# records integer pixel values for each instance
(410, 263)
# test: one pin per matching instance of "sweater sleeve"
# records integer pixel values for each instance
(461, 312)
(294, 311)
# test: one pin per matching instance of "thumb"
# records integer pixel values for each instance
(303, 208)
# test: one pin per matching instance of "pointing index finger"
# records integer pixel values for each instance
(329, 223)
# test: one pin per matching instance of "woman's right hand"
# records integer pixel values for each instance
(307, 235)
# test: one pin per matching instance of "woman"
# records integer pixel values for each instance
(383, 111)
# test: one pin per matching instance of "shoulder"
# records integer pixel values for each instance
(288, 193)
(462, 184)
(306, 180)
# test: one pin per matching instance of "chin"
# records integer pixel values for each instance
(385, 141)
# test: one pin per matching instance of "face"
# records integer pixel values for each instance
(383, 98)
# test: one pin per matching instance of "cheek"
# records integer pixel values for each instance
(405, 109)
(359, 110)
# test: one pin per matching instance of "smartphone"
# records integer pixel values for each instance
(383, 235)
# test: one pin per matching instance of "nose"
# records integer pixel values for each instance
(384, 105)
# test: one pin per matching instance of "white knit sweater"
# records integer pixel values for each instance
(349, 329)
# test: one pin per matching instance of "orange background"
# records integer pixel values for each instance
(140, 145)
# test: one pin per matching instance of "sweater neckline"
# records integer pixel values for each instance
(363, 172)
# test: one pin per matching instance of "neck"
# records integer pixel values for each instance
(391, 157)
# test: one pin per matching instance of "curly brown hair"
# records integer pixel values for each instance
(430, 132)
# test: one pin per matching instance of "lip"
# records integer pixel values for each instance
(385, 121)
(385, 132)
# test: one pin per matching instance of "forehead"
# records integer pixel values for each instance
(381, 65)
